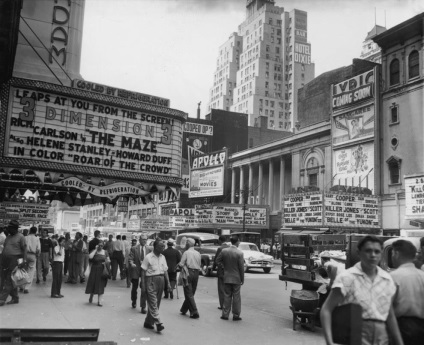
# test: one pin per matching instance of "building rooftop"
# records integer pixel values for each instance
(376, 30)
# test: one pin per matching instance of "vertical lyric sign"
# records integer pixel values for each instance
(69, 130)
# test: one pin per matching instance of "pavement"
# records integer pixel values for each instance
(118, 322)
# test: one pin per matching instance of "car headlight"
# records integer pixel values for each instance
(251, 258)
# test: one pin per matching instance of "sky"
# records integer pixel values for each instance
(168, 48)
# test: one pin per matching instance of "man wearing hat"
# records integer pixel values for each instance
(173, 257)
(192, 260)
(14, 249)
(135, 259)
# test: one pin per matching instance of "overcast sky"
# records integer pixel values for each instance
(168, 48)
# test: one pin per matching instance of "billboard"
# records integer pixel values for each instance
(354, 125)
(414, 197)
(354, 165)
(71, 130)
(207, 174)
(331, 210)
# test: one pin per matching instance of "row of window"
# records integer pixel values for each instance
(413, 68)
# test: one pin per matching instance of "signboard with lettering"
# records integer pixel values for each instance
(352, 91)
(302, 209)
(24, 211)
(354, 166)
(121, 93)
(155, 223)
(207, 174)
(351, 210)
(414, 197)
(354, 125)
(302, 53)
(331, 210)
(75, 132)
(198, 128)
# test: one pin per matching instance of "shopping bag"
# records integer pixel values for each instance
(20, 277)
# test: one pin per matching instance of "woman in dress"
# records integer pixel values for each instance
(96, 282)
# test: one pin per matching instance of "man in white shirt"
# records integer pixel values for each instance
(33, 251)
(154, 274)
(2, 239)
(409, 299)
(117, 259)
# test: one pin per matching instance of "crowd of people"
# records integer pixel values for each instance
(150, 272)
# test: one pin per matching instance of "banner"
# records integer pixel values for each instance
(111, 191)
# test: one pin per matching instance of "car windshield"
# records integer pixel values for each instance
(246, 246)
(210, 242)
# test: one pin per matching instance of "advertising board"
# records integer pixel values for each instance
(71, 129)
(351, 210)
(207, 174)
(302, 209)
(354, 125)
(414, 197)
(331, 210)
(354, 90)
(354, 166)
(24, 211)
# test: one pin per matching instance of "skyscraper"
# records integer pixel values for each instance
(261, 67)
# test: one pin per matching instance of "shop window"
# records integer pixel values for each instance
(394, 72)
(413, 64)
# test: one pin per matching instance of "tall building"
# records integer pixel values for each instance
(370, 50)
(260, 68)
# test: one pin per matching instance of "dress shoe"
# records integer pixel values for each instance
(220, 308)
(99, 304)
(166, 296)
(61, 296)
(26, 291)
(146, 325)
(183, 312)
(13, 301)
(194, 316)
(237, 318)
(143, 311)
(133, 304)
(224, 318)
(159, 327)
(55, 296)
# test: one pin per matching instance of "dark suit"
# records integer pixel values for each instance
(220, 274)
(76, 261)
(233, 263)
(173, 257)
(135, 257)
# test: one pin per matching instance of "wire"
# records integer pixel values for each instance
(40, 57)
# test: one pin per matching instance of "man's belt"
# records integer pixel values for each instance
(373, 320)
(155, 275)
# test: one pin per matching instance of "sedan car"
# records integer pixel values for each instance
(253, 258)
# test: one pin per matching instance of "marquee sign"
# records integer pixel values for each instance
(110, 191)
(355, 90)
(414, 197)
(24, 211)
(332, 210)
(73, 129)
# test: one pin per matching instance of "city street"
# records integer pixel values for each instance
(265, 311)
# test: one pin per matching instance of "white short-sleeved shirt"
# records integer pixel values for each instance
(154, 265)
(375, 297)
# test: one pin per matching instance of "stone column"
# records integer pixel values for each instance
(271, 185)
(260, 181)
(282, 180)
(242, 191)
(233, 185)
(249, 201)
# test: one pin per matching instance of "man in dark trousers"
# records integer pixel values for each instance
(233, 262)
(14, 249)
(173, 257)
(220, 271)
(76, 260)
(191, 259)
(135, 259)
(46, 255)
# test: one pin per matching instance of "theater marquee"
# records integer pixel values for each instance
(70, 129)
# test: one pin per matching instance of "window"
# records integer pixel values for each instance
(394, 115)
(413, 64)
(313, 179)
(394, 169)
(394, 72)
(251, 142)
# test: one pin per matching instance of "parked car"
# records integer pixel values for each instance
(206, 244)
(254, 258)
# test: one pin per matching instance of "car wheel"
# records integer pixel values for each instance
(267, 269)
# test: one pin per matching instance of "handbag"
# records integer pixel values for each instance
(20, 277)
(105, 273)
